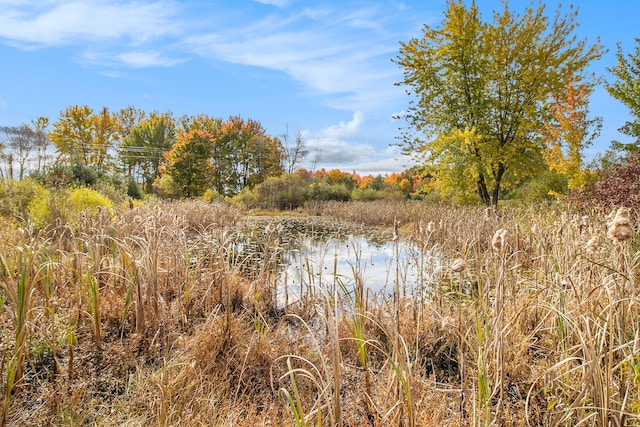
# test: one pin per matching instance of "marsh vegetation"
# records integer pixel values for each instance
(173, 314)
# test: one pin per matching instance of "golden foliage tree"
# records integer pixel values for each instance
(481, 90)
(80, 136)
(143, 148)
(626, 89)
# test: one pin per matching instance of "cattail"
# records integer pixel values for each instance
(592, 245)
(458, 265)
(535, 229)
(620, 228)
(499, 240)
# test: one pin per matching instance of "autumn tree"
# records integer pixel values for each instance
(400, 182)
(569, 131)
(127, 119)
(105, 134)
(481, 93)
(244, 155)
(21, 141)
(204, 122)
(142, 149)
(4, 174)
(336, 176)
(626, 89)
(189, 162)
(80, 136)
(221, 154)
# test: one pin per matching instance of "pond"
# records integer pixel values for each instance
(321, 256)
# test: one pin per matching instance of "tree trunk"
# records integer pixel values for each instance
(496, 190)
(482, 190)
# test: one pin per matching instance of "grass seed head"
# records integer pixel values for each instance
(535, 229)
(499, 240)
(620, 228)
(592, 244)
(458, 265)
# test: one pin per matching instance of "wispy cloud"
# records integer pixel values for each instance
(341, 54)
(147, 59)
(33, 24)
(277, 3)
(333, 145)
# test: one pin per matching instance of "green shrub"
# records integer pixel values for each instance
(545, 187)
(287, 191)
(63, 175)
(133, 189)
(41, 208)
(323, 191)
(212, 195)
(166, 187)
(116, 187)
(85, 199)
(247, 198)
(68, 206)
(367, 194)
(16, 197)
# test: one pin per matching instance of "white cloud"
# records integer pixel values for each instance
(343, 129)
(147, 59)
(384, 166)
(32, 24)
(277, 3)
(111, 62)
(338, 146)
(332, 145)
(3, 103)
(342, 55)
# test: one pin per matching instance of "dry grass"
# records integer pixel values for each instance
(155, 317)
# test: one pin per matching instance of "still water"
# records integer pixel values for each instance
(341, 258)
(316, 257)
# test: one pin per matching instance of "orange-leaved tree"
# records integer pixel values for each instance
(188, 162)
(570, 131)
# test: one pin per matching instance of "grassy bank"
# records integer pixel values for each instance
(151, 316)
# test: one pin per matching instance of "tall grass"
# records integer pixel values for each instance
(170, 314)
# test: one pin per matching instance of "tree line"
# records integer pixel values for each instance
(496, 107)
(186, 156)
(194, 152)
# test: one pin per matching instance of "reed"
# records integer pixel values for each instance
(536, 325)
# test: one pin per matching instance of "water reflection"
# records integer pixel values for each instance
(316, 256)
(334, 264)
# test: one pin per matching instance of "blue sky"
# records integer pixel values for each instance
(321, 67)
